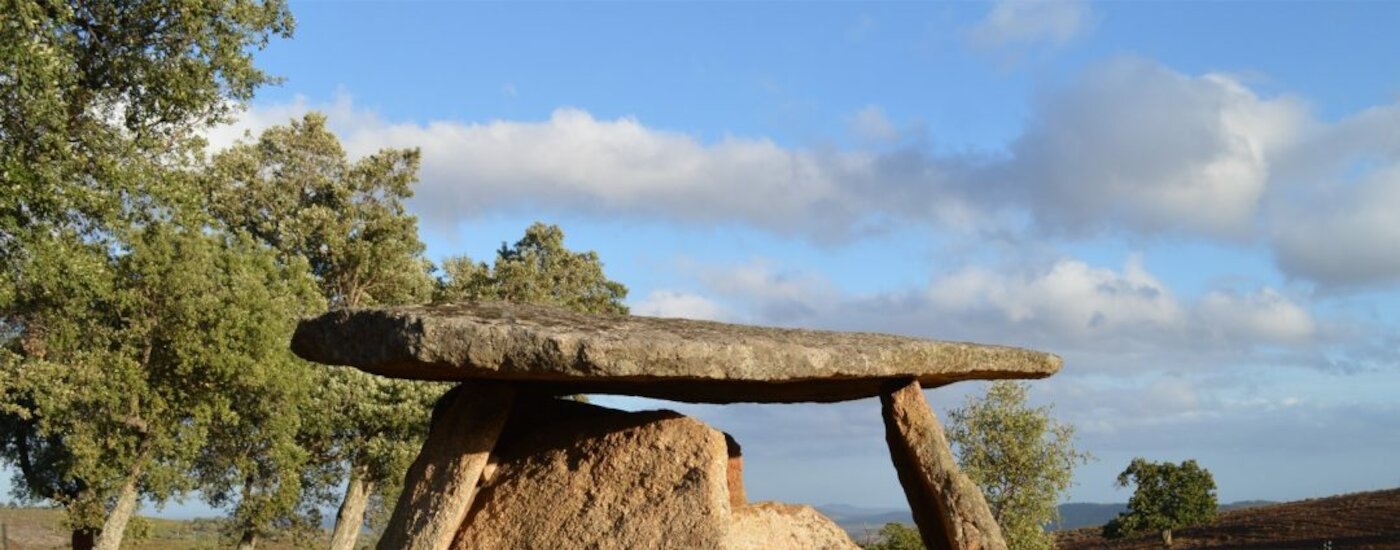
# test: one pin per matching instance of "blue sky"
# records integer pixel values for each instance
(1191, 202)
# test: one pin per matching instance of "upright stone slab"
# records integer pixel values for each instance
(949, 509)
(439, 486)
(603, 479)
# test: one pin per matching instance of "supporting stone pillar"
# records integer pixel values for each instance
(949, 509)
(439, 486)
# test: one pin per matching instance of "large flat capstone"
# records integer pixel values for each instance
(561, 351)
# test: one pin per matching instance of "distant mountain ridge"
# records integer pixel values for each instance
(858, 520)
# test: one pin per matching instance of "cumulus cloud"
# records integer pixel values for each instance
(681, 305)
(1262, 316)
(1129, 147)
(1022, 23)
(1102, 319)
(575, 162)
(1069, 301)
(870, 125)
(1135, 145)
(1344, 236)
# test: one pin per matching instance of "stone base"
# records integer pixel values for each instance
(573, 475)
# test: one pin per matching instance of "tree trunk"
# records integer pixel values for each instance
(350, 520)
(250, 532)
(82, 539)
(249, 540)
(1167, 537)
(110, 538)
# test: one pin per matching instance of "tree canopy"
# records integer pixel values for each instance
(1022, 459)
(1168, 496)
(112, 389)
(538, 269)
(93, 93)
(295, 189)
(123, 319)
(895, 536)
(148, 290)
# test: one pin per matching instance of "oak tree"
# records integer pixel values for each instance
(1021, 457)
(1168, 496)
(101, 102)
(537, 269)
(295, 189)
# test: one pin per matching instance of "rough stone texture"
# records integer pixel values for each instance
(442, 481)
(778, 526)
(949, 509)
(564, 352)
(571, 475)
(735, 473)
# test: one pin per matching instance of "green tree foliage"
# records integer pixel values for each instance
(895, 536)
(1021, 458)
(114, 388)
(110, 366)
(92, 91)
(295, 189)
(538, 269)
(1168, 496)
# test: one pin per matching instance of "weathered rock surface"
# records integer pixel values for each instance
(564, 352)
(602, 479)
(735, 474)
(573, 475)
(440, 485)
(949, 509)
(778, 526)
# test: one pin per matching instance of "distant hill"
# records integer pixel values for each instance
(858, 521)
(1075, 515)
(1358, 520)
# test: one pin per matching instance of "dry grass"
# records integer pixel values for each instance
(40, 529)
(1359, 520)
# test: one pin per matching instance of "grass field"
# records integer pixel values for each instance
(40, 529)
(1368, 520)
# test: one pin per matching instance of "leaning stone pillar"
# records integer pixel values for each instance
(949, 509)
(439, 486)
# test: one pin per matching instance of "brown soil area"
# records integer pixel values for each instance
(1358, 520)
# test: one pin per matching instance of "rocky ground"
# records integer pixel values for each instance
(1357, 520)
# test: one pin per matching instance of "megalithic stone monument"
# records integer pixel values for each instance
(498, 436)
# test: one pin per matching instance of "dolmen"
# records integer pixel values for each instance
(509, 464)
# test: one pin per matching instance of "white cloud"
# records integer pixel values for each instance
(1071, 301)
(1101, 319)
(1129, 147)
(341, 114)
(1348, 235)
(1261, 316)
(681, 305)
(1137, 146)
(1022, 23)
(772, 296)
(870, 125)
